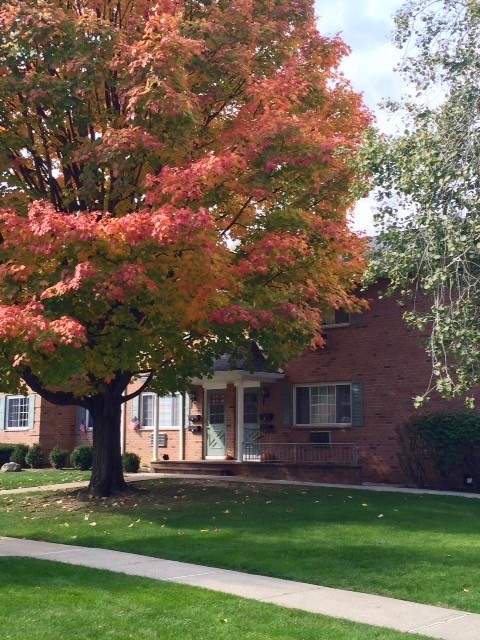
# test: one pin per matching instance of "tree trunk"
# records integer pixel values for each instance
(107, 475)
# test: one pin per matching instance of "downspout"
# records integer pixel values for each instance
(181, 447)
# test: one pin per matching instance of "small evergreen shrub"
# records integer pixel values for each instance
(58, 457)
(34, 457)
(19, 454)
(6, 451)
(82, 457)
(130, 462)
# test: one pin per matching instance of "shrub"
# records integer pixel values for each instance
(6, 451)
(58, 457)
(442, 442)
(19, 454)
(82, 457)
(34, 457)
(130, 462)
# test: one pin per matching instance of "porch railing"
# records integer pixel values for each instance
(301, 452)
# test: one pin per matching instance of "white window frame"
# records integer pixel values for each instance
(88, 421)
(8, 399)
(174, 398)
(314, 425)
(140, 410)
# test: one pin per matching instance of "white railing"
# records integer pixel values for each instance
(301, 452)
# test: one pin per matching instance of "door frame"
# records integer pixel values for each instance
(246, 390)
(208, 391)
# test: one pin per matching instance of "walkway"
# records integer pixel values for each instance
(434, 622)
(138, 477)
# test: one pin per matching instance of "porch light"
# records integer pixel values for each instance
(265, 393)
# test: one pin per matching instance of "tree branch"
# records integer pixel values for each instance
(59, 398)
(136, 393)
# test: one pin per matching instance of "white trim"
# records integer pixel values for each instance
(7, 401)
(212, 385)
(239, 421)
(159, 428)
(323, 425)
(183, 426)
(334, 326)
(216, 458)
(222, 378)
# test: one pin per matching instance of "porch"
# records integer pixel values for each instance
(333, 463)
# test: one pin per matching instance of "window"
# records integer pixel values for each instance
(169, 410)
(323, 404)
(85, 419)
(147, 410)
(335, 317)
(18, 412)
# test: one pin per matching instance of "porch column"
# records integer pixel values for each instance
(181, 434)
(155, 428)
(123, 426)
(239, 384)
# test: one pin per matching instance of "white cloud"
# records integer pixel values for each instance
(367, 25)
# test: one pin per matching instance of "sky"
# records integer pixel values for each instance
(366, 26)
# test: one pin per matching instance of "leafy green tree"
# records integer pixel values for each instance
(175, 180)
(428, 187)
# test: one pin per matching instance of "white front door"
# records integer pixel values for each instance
(216, 436)
(251, 424)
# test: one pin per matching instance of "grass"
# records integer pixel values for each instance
(41, 477)
(414, 547)
(43, 600)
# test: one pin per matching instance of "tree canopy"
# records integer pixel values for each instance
(176, 179)
(428, 179)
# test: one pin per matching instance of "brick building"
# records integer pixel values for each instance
(330, 415)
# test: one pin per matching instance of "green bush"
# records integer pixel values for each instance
(34, 457)
(82, 457)
(58, 457)
(433, 445)
(19, 454)
(130, 462)
(6, 451)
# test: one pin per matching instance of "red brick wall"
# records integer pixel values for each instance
(194, 441)
(57, 427)
(27, 436)
(389, 358)
(52, 426)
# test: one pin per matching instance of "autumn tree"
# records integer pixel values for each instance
(429, 179)
(176, 178)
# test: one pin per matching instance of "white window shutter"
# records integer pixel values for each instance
(3, 402)
(136, 408)
(31, 411)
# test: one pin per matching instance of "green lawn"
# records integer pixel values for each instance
(420, 548)
(43, 600)
(41, 477)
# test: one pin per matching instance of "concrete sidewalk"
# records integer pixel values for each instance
(129, 477)
(434, 622)
(138, 477)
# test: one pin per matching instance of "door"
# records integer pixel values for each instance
(251, 424)
(216, 436)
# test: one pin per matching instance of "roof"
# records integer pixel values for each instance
(253, 361)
